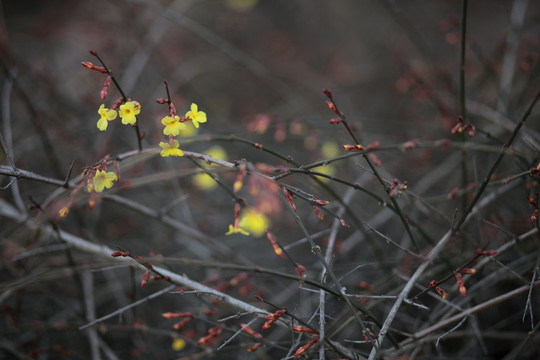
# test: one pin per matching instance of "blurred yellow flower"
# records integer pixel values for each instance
(106, 116)
(330, 149)
(128, 112)
(172, 125)
(327, 170)
(217, 152)
(103, 179)
(189, 130)
(254, 222)
(170, 149)
(204, 182)
(196, 116)
(178, 344)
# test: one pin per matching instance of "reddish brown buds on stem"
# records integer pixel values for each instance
(212, 334)
(89, 65)
(106, 87)
(462, 288)
(145, 278)
(434, 285)
(277, 249)
(302, 349)
(289, 197)
(181, 324)
(486, 252)
(332, 107)
(120, 253)
(328, 93)
(318, 212)
(303, 329)
(177, 315)
(353, 148)
(250, 331)
(273, 317)
(300, 270)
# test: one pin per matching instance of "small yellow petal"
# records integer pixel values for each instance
(233, 230)
(102, 124)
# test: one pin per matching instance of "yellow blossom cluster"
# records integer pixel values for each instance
(174, 125)
(128, 113)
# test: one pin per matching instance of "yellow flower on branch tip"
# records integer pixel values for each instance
(103, 179)
(128, 112)
(170, 149)
(106, 116)
(235, 230)
(196, 116)
(172, 125)
(254, 221)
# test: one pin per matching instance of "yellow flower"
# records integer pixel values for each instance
(178, 344)
(204, 182)
(128, 112)
(254, 222)
(196, 116)
(170, 149)
(329, 170)
(234, 230)
(106, 116)
(103, 179)
(217, 152)
(330, 149)
(172, 125)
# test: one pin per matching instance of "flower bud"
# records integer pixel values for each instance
(353, 148)
(328, 93)
(89, 65)
(303, 329)
(145, 278)
(105, 89)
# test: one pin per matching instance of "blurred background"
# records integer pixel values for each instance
(257, 68)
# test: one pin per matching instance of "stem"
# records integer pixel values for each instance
(486, 180)
(136, 126)
(462, 101)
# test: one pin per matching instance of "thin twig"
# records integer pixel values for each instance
(127, 307)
